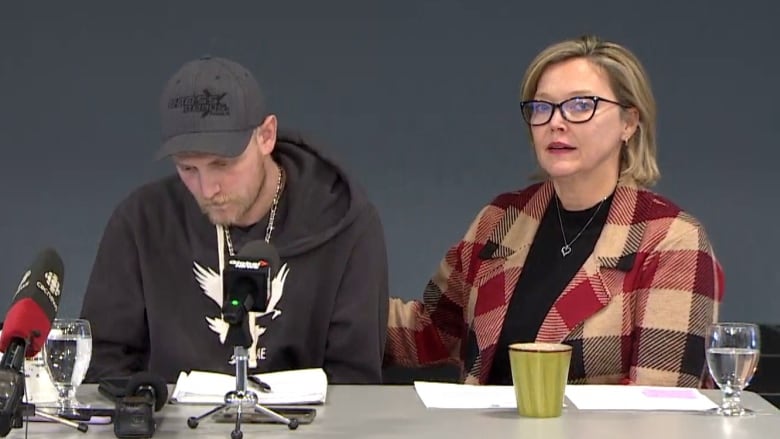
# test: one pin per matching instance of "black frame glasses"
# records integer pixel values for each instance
(577, 109)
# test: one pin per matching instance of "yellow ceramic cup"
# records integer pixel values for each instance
(539, 375)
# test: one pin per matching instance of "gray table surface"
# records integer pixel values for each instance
(397, 412)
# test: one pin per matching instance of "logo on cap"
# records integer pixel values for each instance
(207, 104)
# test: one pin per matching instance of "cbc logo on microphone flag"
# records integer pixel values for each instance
(53, 282)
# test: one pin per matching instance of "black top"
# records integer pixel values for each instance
(544, 276)
(154, 297)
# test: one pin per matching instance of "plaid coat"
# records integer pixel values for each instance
(636, 312)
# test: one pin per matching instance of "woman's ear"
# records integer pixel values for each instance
(631, 120)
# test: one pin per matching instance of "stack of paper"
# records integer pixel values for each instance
(609, 397)
(584, 397)
(464, 396)
(304, 386)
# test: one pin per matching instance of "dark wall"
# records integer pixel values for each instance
(418, 98)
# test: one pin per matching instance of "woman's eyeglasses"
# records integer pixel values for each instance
(578, 109)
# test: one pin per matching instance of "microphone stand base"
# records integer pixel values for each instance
(243, 403)
(80, 426)
(243, 400)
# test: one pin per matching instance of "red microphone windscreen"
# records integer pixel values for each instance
(24, 320)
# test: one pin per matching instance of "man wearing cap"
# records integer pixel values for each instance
(154, 297)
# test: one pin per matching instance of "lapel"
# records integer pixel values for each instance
(589, 291)
(593, 286)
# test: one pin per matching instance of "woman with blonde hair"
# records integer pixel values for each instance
(589, 256)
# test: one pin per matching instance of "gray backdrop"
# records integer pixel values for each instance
(418, 99)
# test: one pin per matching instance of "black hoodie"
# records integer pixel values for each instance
(155, 293)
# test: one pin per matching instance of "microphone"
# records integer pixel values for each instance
(246, 287)
(26, 326)
(34, 306)
(133, 417)
(247, 281)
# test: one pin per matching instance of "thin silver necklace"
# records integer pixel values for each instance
(270, 228)
(566, 249)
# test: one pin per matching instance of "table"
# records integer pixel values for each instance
(396, 412)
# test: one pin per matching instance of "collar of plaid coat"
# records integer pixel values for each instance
(636, 311)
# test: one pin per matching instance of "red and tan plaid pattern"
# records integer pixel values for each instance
(635, 313)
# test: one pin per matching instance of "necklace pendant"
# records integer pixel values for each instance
(565, 250)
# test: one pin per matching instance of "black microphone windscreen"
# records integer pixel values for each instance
(43, 282)
(260, 250)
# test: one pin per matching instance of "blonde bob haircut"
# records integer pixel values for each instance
(631, 86)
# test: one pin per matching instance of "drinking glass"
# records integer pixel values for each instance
(67, 353)
(732, 357)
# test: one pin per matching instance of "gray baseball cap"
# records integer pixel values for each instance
(210, 105)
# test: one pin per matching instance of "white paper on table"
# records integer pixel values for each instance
(302, 386)
(464, 396)
(620, 397)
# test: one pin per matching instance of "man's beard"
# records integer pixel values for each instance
(237, 206)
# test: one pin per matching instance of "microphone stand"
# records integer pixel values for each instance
(80, 426)
(26, 410)
(244, 292)
(242, 399)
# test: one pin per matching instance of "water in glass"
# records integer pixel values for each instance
(732, 367)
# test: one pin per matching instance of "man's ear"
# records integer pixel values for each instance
(265, 135)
